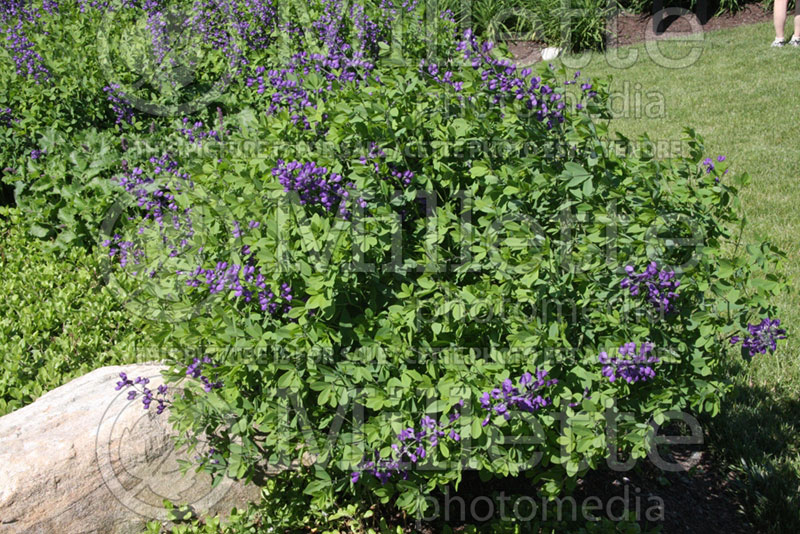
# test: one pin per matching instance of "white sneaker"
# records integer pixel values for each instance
(777, 43)
(795, 41)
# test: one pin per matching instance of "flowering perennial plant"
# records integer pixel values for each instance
(421, 215)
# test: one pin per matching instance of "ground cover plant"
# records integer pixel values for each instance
(356, 277)
(57, 321)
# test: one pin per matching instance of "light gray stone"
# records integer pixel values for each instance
(83, 459)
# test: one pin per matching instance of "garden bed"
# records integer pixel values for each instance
(632, 28)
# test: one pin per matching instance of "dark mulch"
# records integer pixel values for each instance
(700, 499)
(629, 28)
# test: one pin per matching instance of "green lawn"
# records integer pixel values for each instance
(742, 97)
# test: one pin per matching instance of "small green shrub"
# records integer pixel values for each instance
(573, 24)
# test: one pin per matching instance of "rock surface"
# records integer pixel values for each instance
(83, 459)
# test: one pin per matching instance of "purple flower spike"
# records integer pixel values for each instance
(633, 366)
(661, 286)
(523, 397)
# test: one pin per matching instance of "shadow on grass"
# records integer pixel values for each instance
(758, 436)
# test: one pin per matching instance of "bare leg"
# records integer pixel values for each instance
(796, 23)
(779, 18)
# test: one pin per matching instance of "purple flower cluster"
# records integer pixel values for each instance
(155, 193)
(633, 366)
(412, 446)
(196, 133)
(401, 178)
(709, 164)
(29, 62)
(100, 5)
(504, 82)
(661, 285)
(120, 105)
(195, 370)
(255, 21)
(7, 117)
(710, 167)
(245, 282)
(123, 250)
(523, 397)
(315, 185)
(148, 396)
(36, 153)
(375, 153)
(339, 60)
(762, 337)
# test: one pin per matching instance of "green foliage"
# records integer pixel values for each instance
(57, 322)
(491, 244)
(64, 192)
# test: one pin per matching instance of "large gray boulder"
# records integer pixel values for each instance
(83, 459)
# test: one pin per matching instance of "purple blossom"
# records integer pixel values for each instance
(661, 286)
(119, 104)
(315, 185)
(523, 397)
(148, 396)
(633, 366)
(411, 447)
(7, 117)
(762, 337)
(246, 282)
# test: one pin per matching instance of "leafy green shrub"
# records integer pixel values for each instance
(50, 150)
(436, 265)
(57, 322)
(573, 24)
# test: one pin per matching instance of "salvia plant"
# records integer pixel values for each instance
(391, 255)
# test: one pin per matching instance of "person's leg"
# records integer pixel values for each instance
(796, 34)
(779, 17)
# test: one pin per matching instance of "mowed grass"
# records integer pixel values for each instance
(744, 98)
